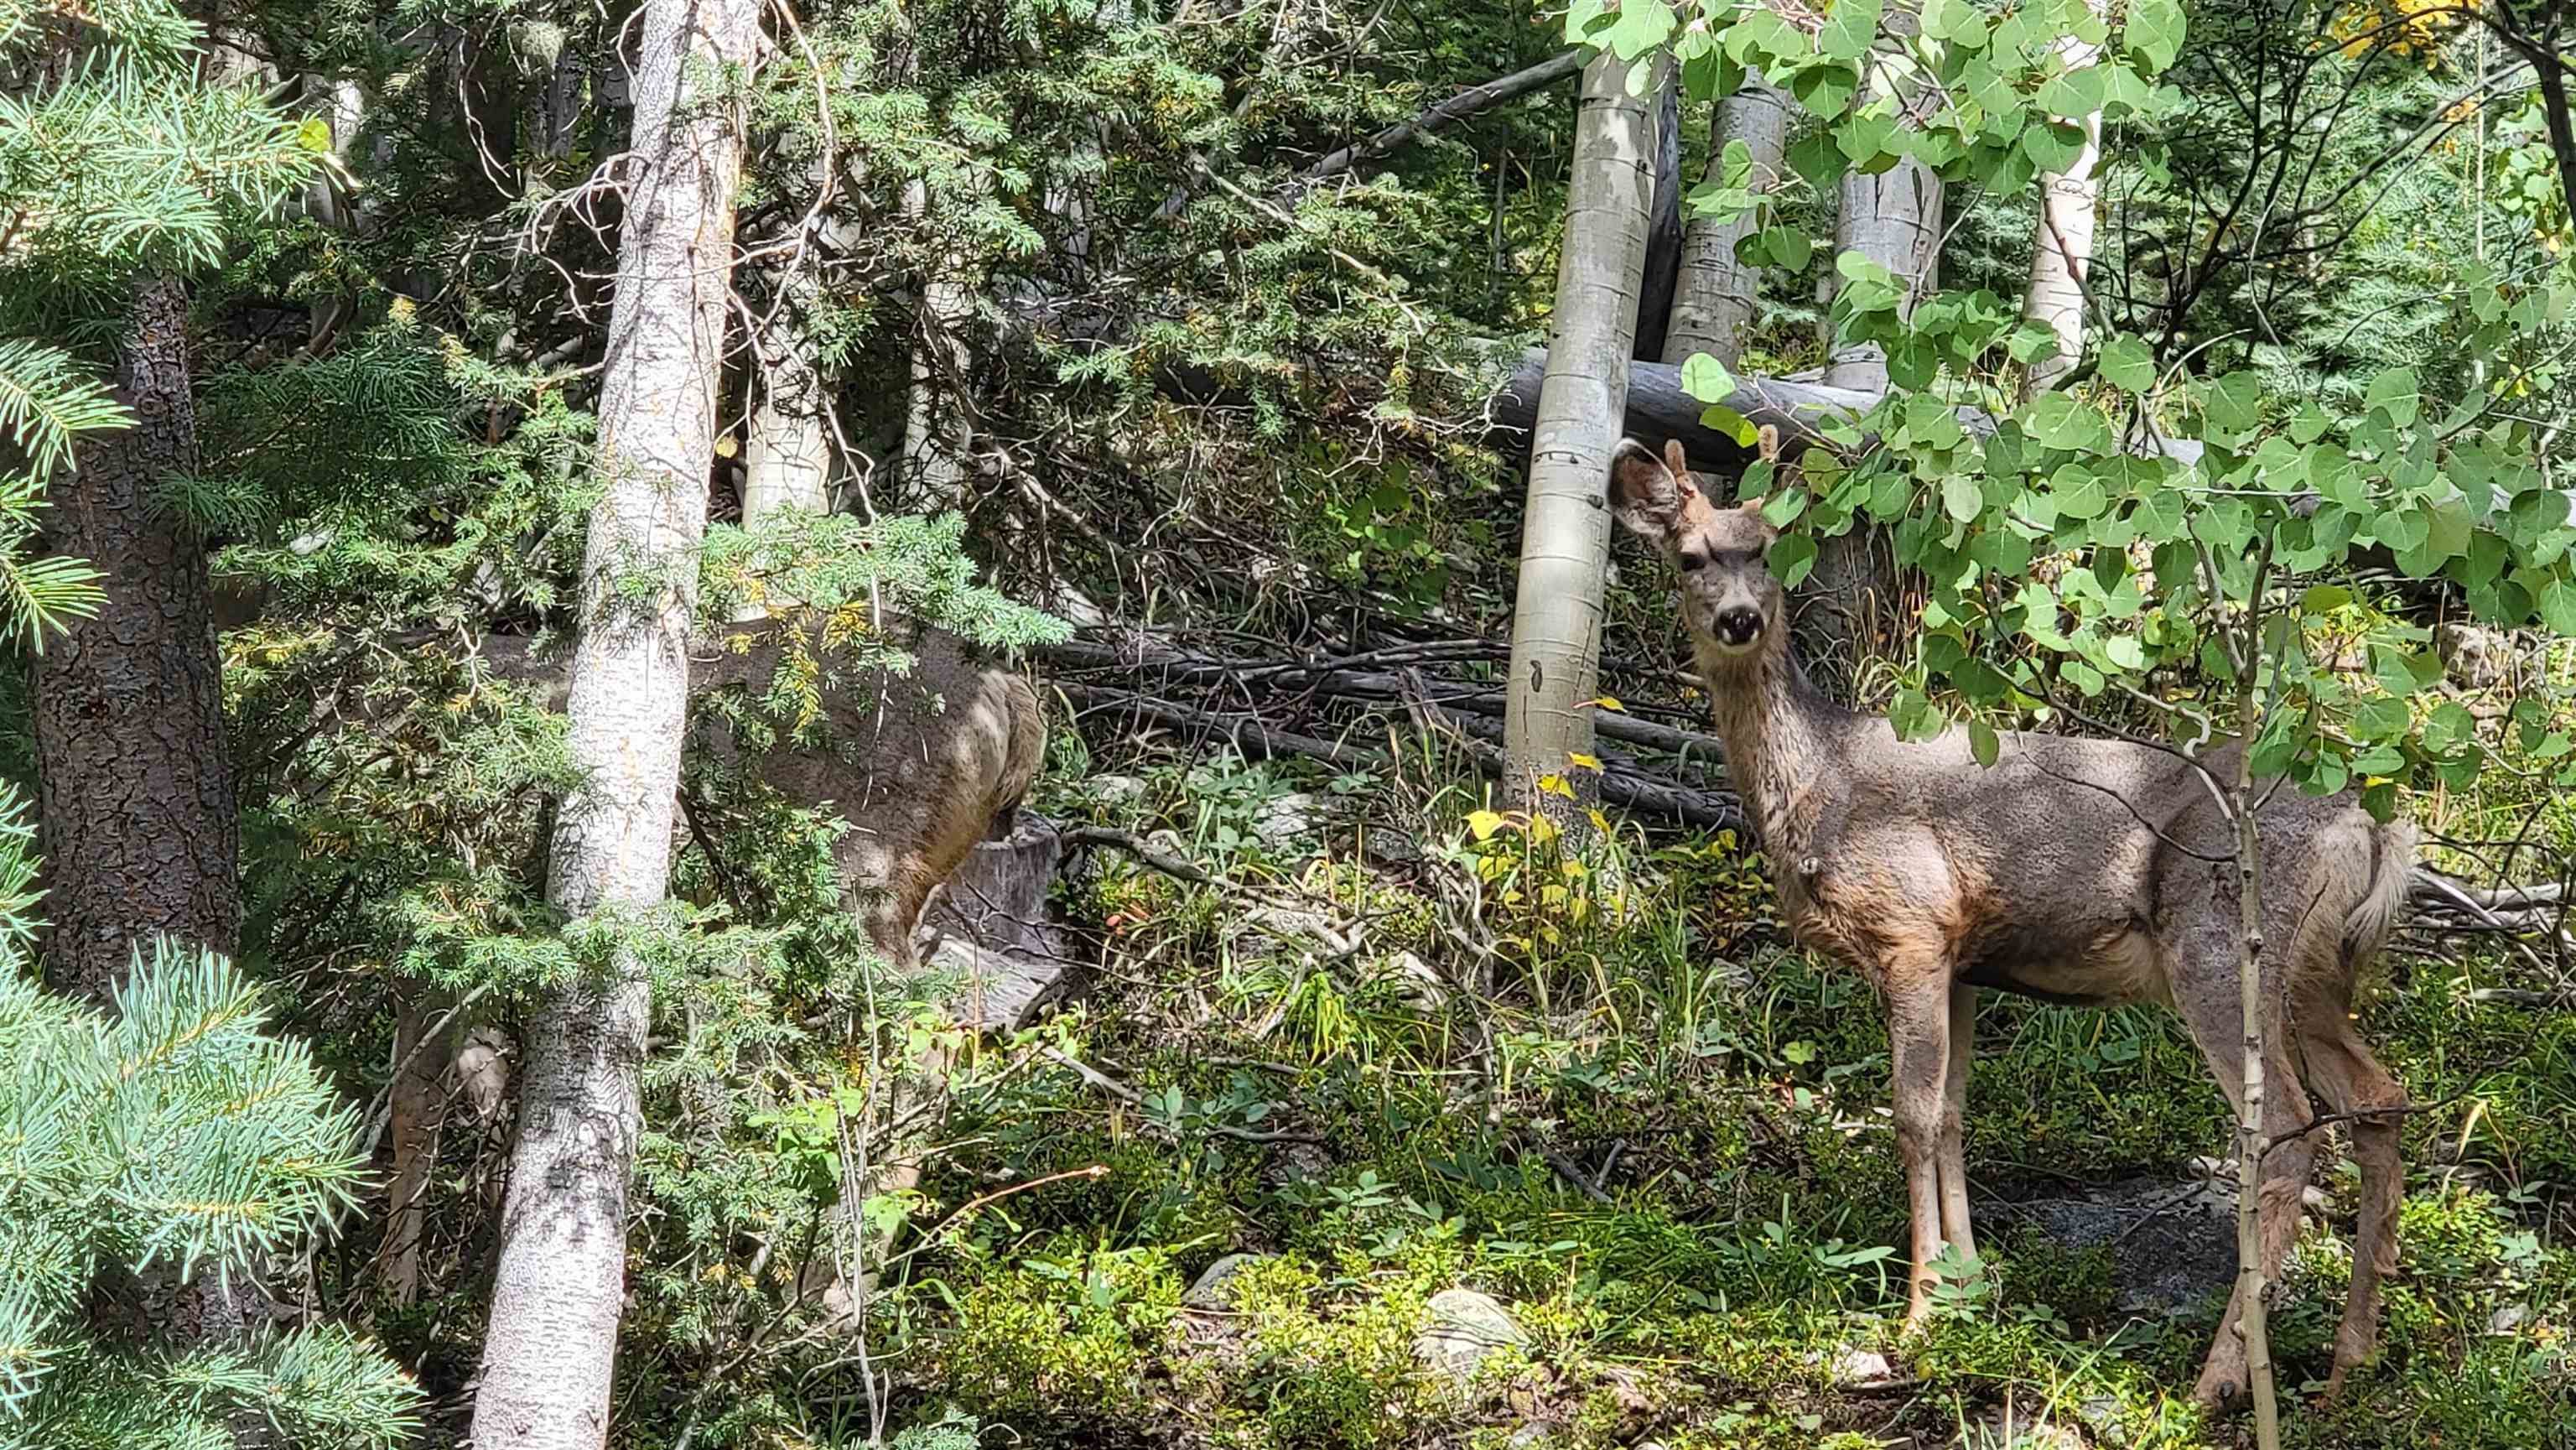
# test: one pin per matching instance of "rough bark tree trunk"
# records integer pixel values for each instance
(1660, 282)
(1565, 540)
(1713, 305)
(134, 776)
(549, 1353)
(2061, 248)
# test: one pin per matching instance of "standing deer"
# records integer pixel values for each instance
(2076, 871)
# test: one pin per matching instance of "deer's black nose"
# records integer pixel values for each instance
(1739, 625)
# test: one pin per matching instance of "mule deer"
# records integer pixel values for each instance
(921, 767)
(2079, 871)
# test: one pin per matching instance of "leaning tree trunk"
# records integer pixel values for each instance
(1851, 598)
(2061, 250)
(549, 1352)
(1565, 538)
(1714, 304)
(134, 779)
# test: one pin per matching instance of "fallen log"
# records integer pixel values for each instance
(1623, 783)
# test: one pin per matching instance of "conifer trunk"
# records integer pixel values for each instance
(1565, 539)
(134, 777)
(1714, 304)
(549, 1353)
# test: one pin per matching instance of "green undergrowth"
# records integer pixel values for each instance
(1661, 1139)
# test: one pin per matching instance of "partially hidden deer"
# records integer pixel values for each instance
(2072, 870)
(921, 767)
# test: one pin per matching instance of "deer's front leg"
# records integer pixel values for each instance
(1918, 1031)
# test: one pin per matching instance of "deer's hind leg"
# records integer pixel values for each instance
(2351, 1080)
(2206, 992)
(1953, 1161)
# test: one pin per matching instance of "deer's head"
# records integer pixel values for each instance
(1729, 597)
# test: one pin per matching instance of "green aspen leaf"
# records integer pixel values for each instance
(1980, 681)
(2087, 680)
(1961, 498)
(2127, 364)
(1851, 28)
(2160, 515)
(2053, 146)
(2558, 607)
(1731, 423)
(1791, 558)
(1782, 508)
(1705, 378)
(2322, 598)
(1788, 248)
(2232, 405)
(1914, 363)
(2403, 529)
(1956, 21)
(1825, 89)
(1817, 160)
(1641, 75)
(1708, 72)
(2060, 420)
(2073, 94)
(2155, 31)
(2395, 393)
(1587, 19)
(1641, 27)
(2309, 425)
(1866, 137)
(2382, 719)
(2031, 341)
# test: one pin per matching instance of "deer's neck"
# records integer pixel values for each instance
(1785, 744)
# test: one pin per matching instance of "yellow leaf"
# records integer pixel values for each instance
(1542, 830)
(1600, 822)
(314, 135)
(725, 446)
(1556, 785)
(1484, 823)
(1605, 702)
(1588, 762)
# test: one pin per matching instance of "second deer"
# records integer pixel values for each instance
(2081, 871)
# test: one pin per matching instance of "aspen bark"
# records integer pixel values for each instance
(1713, 306)
(549, 1352)
(2061, 248)
(2251, 1318)
(1565, 540)
(935, 440)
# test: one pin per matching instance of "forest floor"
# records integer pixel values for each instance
(1382, 1122)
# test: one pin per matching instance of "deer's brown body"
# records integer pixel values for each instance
(2083, 871)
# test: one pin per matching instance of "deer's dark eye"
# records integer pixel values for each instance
(1692, 563)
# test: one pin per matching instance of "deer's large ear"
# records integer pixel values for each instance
(1645, 494)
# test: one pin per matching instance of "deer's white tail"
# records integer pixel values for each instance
(2373, 918)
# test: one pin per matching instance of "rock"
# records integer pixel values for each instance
(1214, 1287)
(2025, 1432)
(1115, 790)
(2473, 655)
(2171, 1242)
(1389, 846)
(1862, 1369)
(2101, 1415)
(1466, 1328)
(1423, 986)
(1284, 820)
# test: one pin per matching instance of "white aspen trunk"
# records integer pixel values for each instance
(1713, 306)
(2251, 1321)
(2061, 249)
(549, 1354)
(935, 441)
(1565, 540)
(1893, 219)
